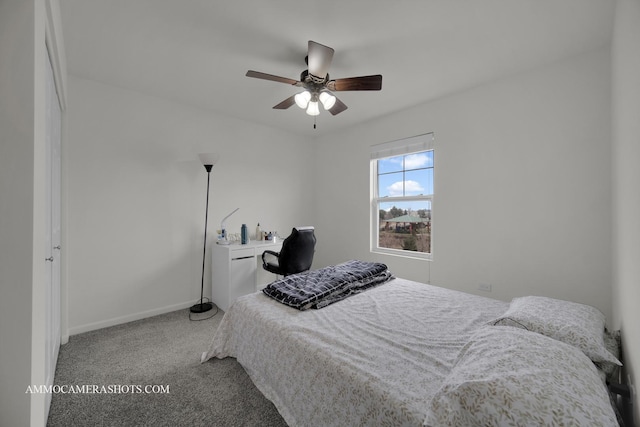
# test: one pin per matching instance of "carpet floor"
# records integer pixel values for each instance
(162, 351)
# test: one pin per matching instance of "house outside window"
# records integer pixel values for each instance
(402, 196)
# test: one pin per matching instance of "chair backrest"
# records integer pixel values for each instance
(297, 250)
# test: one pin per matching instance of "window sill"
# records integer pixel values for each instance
(403, 254)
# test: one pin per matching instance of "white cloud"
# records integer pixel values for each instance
(410, 188)
(415, 161)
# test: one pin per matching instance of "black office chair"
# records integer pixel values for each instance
(296, 254)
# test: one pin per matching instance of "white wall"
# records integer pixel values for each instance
(137, 191)
(22, 184)
(626, 180)
(16, 207)
(522, 185)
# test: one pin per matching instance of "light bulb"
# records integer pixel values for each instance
(302, 99)
(327, 99)
(313, 109)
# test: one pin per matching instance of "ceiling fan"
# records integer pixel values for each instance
(317, 85)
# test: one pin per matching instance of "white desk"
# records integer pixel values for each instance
(237, 270)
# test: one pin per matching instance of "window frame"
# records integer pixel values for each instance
(402, 147)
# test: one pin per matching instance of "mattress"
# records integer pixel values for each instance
(376, 358)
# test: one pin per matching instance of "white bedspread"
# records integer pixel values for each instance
(375, 358)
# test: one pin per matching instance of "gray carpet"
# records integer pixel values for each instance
(161, 350)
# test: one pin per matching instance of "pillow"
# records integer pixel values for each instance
(612, 344)
(510, 376)
(579, 325)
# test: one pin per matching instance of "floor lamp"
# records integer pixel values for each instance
(208, 160)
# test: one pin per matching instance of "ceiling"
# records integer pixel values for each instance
(196, 52)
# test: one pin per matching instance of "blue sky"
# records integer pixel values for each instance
(408, 175)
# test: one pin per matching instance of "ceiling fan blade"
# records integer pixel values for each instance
(286, 103)
(319, 59)
(265, 76)
(356, 83)
(338, 107)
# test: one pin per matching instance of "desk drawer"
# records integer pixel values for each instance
(242, 253)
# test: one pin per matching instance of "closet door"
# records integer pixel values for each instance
(52, 236)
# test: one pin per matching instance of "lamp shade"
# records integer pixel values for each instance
(313, 109)
(209, 159)
(302, 99)
(327, 99)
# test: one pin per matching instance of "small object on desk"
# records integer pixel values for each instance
(222, 237)
(258, 232)
(244, 234)
(269, 236)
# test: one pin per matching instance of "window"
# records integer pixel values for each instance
(402, 196)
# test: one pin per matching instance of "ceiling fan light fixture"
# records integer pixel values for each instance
(313, 109)
(315, 84)
(302, 99)
(327, 99)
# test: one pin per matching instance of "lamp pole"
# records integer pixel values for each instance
(202, 306)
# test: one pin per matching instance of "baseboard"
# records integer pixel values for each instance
(128, 318)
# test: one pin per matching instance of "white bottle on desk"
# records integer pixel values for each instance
(258, 232)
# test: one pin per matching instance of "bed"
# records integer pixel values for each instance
(405, 353)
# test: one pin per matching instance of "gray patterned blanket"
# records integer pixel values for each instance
(319, 288)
